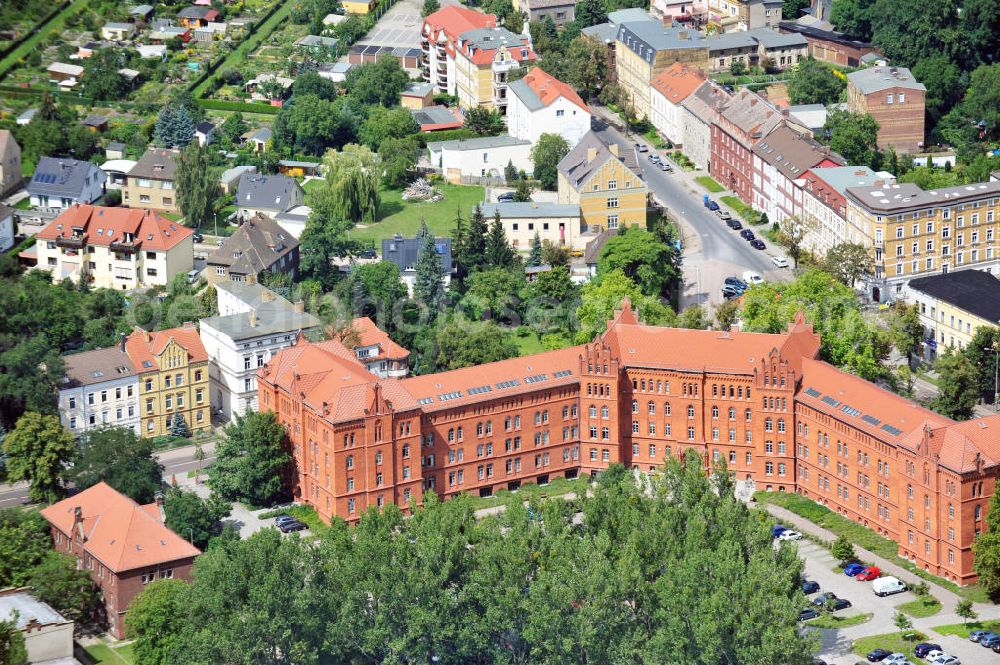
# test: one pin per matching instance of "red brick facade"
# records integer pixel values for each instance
(742, 121)
(636, 395)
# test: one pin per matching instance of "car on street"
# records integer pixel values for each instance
(790, 535)
(197, 237)
(757, 243)
(730, 292)
(841, 604)
(989, 641)
(742, 286)
(878, 655)
(666, 167)
(809, 586)
(976, 635)
(641, 147)
(723, 214)
(653, 157)
(820, 600)
(924, 648)
(734, 224)
(868, 574)
(505, 197)
(779, 261)
(853, 569)
(945, 659)
(711, 205)
(747, 235)
(808, 613)
(750, 277)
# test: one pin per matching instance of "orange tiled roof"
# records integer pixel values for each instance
(143, 347)
(371, 335)
(119, 532)
(549, 88)
(963, 446)
(677, 81)
(455, 20)
(102, 226)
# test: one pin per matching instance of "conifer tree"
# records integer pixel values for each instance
(499, 253)
(459, 237)
(428, 288)
(475, 244)
(535, 257)
(174, 127)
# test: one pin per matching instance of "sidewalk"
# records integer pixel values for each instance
(949, 599)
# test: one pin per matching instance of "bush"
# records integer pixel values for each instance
(244, 107)
(843, 550)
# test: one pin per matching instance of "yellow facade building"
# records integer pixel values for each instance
(604, 180)
(172, 367)
(916, 233)
(358, 6)
(483, 59)
(953, 306)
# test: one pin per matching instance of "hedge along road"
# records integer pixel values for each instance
(56, 22)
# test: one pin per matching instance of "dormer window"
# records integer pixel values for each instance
(236, 254)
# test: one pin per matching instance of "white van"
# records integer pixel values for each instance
(886, 586)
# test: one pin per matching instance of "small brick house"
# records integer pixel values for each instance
(125, 546)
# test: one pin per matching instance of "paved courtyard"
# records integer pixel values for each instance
(400, 26)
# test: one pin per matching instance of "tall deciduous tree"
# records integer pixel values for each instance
(379, 82)
(982, 353)
(815, 83)
(377, 292)
(652, 265)
(493, 294)
(117, 456)
(982, 98)
(905, 329)
(383, 123)
(102, 81)
(39, 451)
(194, 518)
(152, 620)
(484, 121)
(250, 460)
(590, 12)
(12, 648)
(464, 344)
(587, 63)
(601, 297)
(24, 542)
(958, 385)
(855, 136)
(69, 590)
(352, 184)
(546, 155)
(197, 185)
(850, 262)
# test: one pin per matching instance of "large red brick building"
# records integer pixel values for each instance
(125, 546)
(635, 395)
(741, 122)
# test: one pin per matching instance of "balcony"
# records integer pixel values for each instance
(123, 246)
(75, 242)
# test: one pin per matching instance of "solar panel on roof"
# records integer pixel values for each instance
(561, 373)
(508, 384)
(425, 400)
(535, 378)
(847, 408)
(895, 431)
(829, 400)
(871, 420)
(812, 392)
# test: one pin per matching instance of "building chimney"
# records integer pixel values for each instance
(682, 35)
(614, 149)
(879, 183)
(253, 318)
(143, 332)
(267, 296)
(78, 523)
(121, 342)
(158, 498)
(668, 21)
(300, 306)
(591, 154)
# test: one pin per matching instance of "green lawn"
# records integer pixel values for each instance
(304, 514)
(528, 344)
(963, 629)
(834, 621)
(921, 607)
(866, 538)
(892, 641)
(23, 204)
(102, 654)
(403, 217)
(530, 491)
(710, 184)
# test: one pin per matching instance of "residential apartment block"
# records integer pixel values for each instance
(123, 545)
(480, 159)
(150, 183)
(668, 89)
(60, 183)
(824, 205)
(638, 394)
(730, 15)
(557, 223)
(100, 389)
(740, 123)
(605, 180)
(953, 306)
(895, 99)
(540, 104)
(438, 37)
(252, 325)
(114, 248)
(483, 59)
(258, 246)
(560, 12)
(916, 233)
(763, 47)
(172, 366)
(698, 115)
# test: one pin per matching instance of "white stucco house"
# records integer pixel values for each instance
(542, 104)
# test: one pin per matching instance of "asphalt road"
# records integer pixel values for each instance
(712, 251)
(175, 462)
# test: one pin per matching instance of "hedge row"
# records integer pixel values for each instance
(242, 107)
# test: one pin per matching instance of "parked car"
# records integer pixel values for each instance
(886, 586)
(820, 600)
(742, 286)
(197, 237)
(989, 641)
(945, 659)
(293, 525)
(757, 243)
(808, 613)
(976, 635)
(641, 147)
(730, 292)
(711, 205)
(924, 648)
(868, 574)
(809, 586)
(747, 235)
(369, 253)
(841, 604)
(853, 569)
(734, 224)
(653, 157)
(934, 653)
(666, 167)
(505, 197)
(878, 655)
(723, 214)
(790, 535)
(779, 261)
(777, 530)
(751, 277)
(896, 659)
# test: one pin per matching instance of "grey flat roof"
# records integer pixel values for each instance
(842, 177)
(418, 89)
(653, 35)
(875, 79)
(530, 210)
(728, 40)
(771, 38)
(273, 316)
(27, 608)
(604, 32)
(903, 197)
(626, 15)
(434, 115)
(480, 143)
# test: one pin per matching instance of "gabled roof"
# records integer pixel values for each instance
(792, 154)
(257, 245)
(156, 164)
(97, 366)
(480, 45)
(202, 13)
(538, 89)
(454, 20)
(370, 334)
(578, 165)
(751, 113)
(677, 81)
(974, 291)
(62, 177)
(272, 314)
(436, 117)
(703, 101)
(144, 348)
(266, 192)
(102, 226)
(117, 531)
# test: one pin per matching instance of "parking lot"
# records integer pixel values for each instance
(400, 26)
(836, 644)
